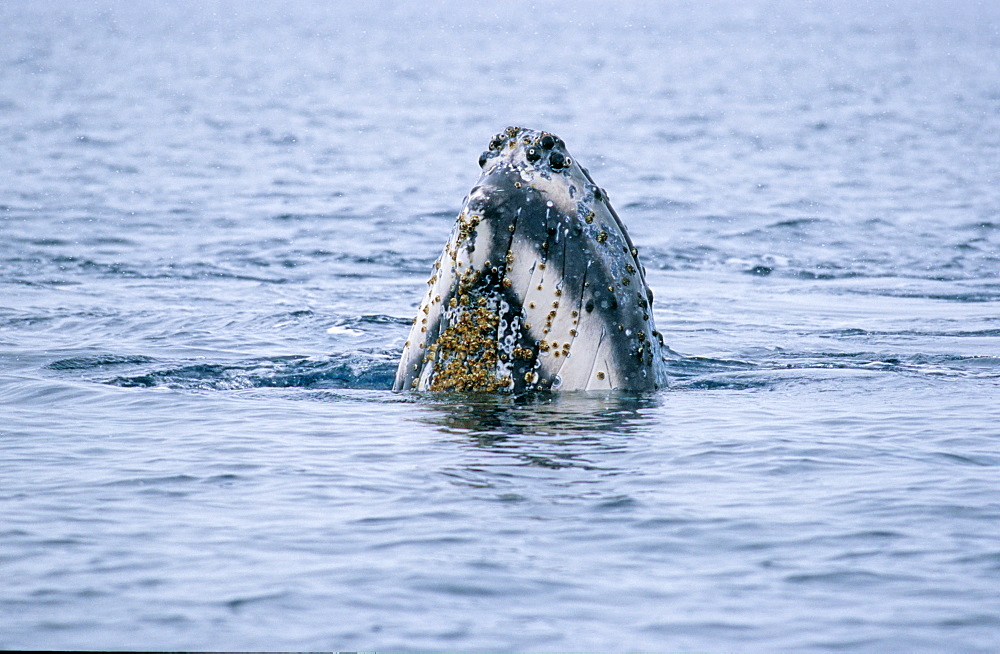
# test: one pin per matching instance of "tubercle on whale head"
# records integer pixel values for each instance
(541, 151)
(538, 160)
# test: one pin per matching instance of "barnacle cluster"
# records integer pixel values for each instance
(468, 354)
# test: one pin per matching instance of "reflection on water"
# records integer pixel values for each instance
(541, 429)
(493, 417)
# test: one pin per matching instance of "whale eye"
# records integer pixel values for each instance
(532, 155)
(483, 158)
(557, 160)
(547, 142)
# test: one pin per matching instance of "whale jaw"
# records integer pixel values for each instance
(538, 288)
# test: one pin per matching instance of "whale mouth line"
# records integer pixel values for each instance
(539, 286)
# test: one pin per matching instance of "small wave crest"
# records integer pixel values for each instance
(99, 361)
(360, 370)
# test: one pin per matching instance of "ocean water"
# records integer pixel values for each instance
(216, 221)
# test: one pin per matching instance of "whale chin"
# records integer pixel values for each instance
(539, 286)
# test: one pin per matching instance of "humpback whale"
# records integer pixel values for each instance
(539, 286)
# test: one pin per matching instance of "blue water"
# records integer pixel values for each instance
(216, 220)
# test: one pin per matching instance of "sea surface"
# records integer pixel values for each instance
(216, 221)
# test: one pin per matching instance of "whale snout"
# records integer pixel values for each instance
(541, 150)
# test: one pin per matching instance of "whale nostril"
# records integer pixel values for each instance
(532, 155)
(547, 142)
(557, 160)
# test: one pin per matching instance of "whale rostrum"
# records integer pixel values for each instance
(538, 288)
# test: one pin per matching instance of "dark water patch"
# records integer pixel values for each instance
(357, 370)
(378, 319)
(30, 270)
(108, 240)
(43, 242)
(976, 620)
(684, 367)
(972, 460)
(933, 365)
(726, 382)
(168, 480)
(800, 223)
(237, 603)
(18, 322)
(971, 296)
(853, 332)
(618, 503)
(397, 261)
(288, 217)
(983, 225)
(195, 376)
(93, 141)
(780, 367)
(99, 361)
(387, 263)
(109, 269)
(988, 560)
(852, 578)
(201, 271)
(45, 283)
(543, 461)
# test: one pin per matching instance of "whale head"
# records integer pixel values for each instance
(539, 286)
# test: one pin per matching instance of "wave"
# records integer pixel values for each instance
(360, 370)
(374, 369)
